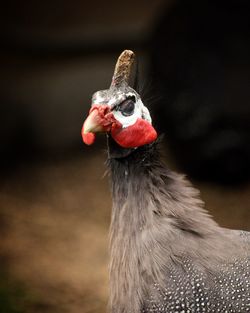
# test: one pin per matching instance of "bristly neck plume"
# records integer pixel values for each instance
(152, 209)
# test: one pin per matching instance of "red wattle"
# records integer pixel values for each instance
(136, 135)
(88, 138)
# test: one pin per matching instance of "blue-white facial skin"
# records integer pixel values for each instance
(113, 97)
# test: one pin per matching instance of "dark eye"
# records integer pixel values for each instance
(127, 107)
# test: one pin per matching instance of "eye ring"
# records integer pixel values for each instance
(127, 106)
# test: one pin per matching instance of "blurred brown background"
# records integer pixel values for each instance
(54, 197)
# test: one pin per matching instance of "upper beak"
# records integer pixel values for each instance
(92, 123)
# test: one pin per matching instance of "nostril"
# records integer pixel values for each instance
(104, 109)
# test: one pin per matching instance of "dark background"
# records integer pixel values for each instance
(194, 66)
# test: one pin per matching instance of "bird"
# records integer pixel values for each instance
(167, 254)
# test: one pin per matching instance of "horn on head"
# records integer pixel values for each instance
(123, 68)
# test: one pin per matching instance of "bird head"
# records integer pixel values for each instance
(120, 111)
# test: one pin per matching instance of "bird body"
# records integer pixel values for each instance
(166, 253)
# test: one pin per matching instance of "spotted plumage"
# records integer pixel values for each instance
(191, 290)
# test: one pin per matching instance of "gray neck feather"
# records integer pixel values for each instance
(157, 218)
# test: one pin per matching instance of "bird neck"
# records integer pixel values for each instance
(145, 190)
(129, 217)
(130, 181)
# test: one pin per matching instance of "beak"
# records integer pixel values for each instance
(92, 123)
(96, 122)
